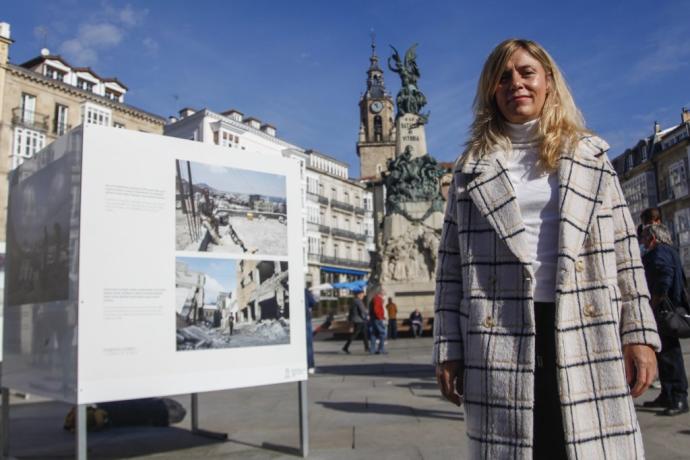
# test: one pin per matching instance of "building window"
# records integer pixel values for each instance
(95, 115)
(28, 108)
(378, 128)
(117, 124)
(85, 84)
(61, 114)
(26, 143)
(677, 179)
(334, 193)
(112, 95)
(53, 73)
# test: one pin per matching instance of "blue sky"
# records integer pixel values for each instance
(221, 274)
(238, 180)
(301, 65)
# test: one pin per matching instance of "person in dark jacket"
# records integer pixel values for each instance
(358, 319)
(665, 278)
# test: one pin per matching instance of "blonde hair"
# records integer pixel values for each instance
(560, 126)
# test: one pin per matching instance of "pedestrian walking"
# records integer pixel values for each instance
(392, 310)
(541, 314)
(378, 324)
(358, 319)
(666, 281)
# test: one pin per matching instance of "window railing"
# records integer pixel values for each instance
(342, 205)
(324, 229)
(331, 260)
(348, 234)
(29, 119)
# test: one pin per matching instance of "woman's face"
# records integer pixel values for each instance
(522, 88)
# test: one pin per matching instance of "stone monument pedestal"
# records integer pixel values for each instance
(410, 248)
(409, 132)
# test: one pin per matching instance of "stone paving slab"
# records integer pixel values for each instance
(360, 407)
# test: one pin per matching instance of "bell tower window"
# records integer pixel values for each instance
(378, 128)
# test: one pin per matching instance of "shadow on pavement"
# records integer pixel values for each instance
(390, 409)
(378, 369)
(36, 432)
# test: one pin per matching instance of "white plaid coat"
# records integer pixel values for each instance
(484, 309)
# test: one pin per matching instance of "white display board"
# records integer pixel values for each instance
(182, 270)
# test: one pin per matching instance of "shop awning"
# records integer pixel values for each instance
(345, 271)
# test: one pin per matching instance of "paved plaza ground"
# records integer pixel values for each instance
(360, 407)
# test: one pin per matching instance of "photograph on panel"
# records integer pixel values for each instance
(228, 303)
(229, 210)
(38, 234)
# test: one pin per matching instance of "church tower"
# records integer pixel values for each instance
(376, 142)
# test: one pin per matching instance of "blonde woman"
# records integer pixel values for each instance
(542, 327)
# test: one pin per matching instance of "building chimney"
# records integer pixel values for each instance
(5, 42)
(657, 127)
(685, 115)
(5, 30)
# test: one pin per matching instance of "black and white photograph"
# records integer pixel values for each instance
(229, 210)
(38, 231)
(229, 303)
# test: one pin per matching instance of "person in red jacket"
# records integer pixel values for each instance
(378, 323)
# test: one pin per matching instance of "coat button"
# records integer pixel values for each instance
(589, 310)
(489, 322)
(579, 265)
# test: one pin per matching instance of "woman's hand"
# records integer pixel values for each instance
(449, 378)
(640, 367)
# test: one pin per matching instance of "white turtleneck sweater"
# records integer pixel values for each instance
(537, 196)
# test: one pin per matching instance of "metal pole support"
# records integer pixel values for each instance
(81, 432)
(303, 419)
(195, 422)
(5, 423)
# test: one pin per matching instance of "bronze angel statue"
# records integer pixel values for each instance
(410, 99)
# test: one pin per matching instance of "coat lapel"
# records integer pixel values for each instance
(494, 196)
(582, 181)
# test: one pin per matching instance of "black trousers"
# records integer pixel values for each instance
(360, 329)
(674, 381)
(549, 437)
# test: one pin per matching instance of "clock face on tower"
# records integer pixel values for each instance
(376, 106)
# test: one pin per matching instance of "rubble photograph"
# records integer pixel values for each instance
(38, 232)
(229, 210)
(230, 303)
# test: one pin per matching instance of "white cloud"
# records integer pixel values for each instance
(104, 30)
(212, 288)
(665, 52)
(150, 45)
(100, 35)
(131, 17)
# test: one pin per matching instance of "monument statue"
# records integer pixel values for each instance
(409, 208)
(411, 180)
(409, 99)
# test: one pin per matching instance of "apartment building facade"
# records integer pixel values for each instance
(654, 173)
(46, 96)
(340, 224)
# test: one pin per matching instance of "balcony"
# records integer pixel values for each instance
(330, 260)
(342, 205)
(359, 210)
(348, 234)
(322, 200)
(29, 119)
(324, 229)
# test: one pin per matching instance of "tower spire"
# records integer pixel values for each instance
(375, 85)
